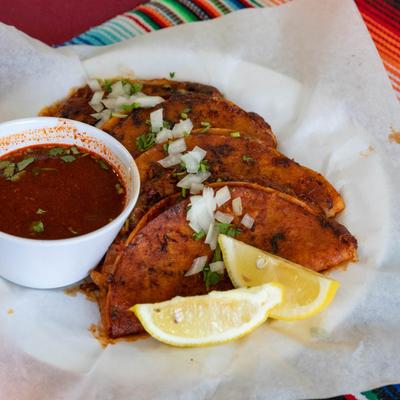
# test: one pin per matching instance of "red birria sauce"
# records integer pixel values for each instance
(57, 192)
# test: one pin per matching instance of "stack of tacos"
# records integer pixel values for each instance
(292, 208)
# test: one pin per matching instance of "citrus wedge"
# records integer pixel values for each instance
(306, 292)
(217, 317)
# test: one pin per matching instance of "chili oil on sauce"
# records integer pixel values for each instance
(57, 192)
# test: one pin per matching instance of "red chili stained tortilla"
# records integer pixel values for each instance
(150, 267)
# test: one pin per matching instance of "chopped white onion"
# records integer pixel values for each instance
(96, 98)
(121, 100)
(208, 195)
(223, 217)
(94, 84)
(222, 196)
(237, 206)
(191, 163)
(97, 107)
(196, 188)
(212, 236)
(163, 136)
(134, 97)
(177, 146)
(200, 152)
(196, 227)
(127, 88)
(110, 103)
(217, 266)
(97, 115)
(197, 266)
(149, 101)
(170, 161)
(156, 120)
(119, 115)
(189, 179)
(193, 158)
(105, 116)
(117, 89)
(182, 128)
(247, 221)
(201, 213)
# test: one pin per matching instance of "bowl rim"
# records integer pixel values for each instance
(23, 124)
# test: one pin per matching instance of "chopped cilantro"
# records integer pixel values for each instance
(4, 164)
(40, 211)
(167, 125)
(119, 188)
(8, 171)
(74, 150)
(102, 164)
(165, 147)
(199, 235)
(203, 166)
(235, 134)
(184, 115)
(210, 278)
(146, 141)
(107, 85)
(17, 176)
(130, 107)
(56, 151)
(24, 163)
(183, 192)
(228, 229)
(136, 87)
(172, 75)
(37, 226)
(176, 174)
(247, 159)
(206, 126)
(217, 256)
(68, 158)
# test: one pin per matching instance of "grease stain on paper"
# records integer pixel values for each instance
(394, 136)
(367, 152)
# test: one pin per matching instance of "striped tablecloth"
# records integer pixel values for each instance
(382, 18)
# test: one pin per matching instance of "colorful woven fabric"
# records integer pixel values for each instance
(382, 18)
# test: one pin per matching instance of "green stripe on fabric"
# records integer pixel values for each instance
(221, 7)
(147, 19)
(256, 3)
(370, 395)
(181, 10)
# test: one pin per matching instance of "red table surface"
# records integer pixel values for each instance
(55, 21)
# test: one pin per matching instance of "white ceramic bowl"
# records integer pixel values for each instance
(48, 264)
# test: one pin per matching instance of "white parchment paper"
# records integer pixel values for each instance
(311, 69)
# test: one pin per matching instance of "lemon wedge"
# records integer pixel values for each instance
(215, 318)
(306, 292)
